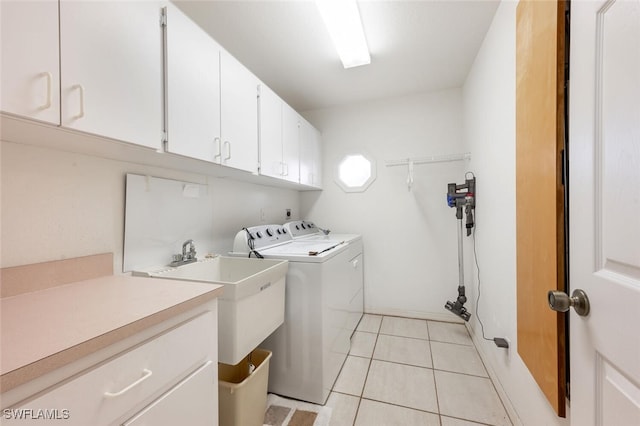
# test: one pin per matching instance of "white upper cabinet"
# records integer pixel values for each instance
(270, 133)
(279, 137)
(193, 89)
(239, 114)
(111, 69)
(291, 143)
(30, 78)
(310, 155)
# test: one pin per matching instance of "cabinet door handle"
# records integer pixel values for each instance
(145, 376)
(49, 78)
(228, 145)
(81, 90)
(219, 146)
(355, 263)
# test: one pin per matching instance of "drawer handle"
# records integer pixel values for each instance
(147, 374)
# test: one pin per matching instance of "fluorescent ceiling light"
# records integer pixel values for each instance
(342, 19)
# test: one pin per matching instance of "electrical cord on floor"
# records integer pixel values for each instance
(499, 341)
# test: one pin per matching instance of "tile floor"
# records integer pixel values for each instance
(407, 372)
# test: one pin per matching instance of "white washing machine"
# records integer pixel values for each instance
(323, 305)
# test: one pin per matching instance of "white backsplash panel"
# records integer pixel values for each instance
(160, 215)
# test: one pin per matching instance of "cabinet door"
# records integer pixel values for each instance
(270, 133)
(316, 142)
(30, 78)
(111, 69)
(310, 155)
(193, 89)
(193, 402)
(239, 114)
(291, 143)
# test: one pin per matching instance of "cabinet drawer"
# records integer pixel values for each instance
(107, 392)
(191, 402)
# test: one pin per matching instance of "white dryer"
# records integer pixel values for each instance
(323, 305)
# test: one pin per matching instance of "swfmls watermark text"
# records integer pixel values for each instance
(36, 414)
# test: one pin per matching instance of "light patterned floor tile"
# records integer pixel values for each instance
(405, 327)
(457, 358)
(362, 344)
(404, 350)
(449, 332)
(401, 384)
(450, 421)
(469, 397)
(353, 375)
(373, 413)
(344, 409)
(370, 323)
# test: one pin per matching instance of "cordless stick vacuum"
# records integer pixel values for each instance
(462, 197)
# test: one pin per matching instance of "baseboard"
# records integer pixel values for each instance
(432, 316)
(511, 411)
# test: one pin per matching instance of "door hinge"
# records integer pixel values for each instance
(163, 17)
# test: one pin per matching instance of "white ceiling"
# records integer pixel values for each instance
(416, 46)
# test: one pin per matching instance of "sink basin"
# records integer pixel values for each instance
(251, 306)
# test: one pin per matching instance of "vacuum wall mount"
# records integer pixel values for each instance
(462, 197)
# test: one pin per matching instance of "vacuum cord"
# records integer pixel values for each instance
(475, 257)
(499, 341)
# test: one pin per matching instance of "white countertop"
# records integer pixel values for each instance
(44, 330)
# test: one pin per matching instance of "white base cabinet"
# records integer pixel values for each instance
(186, 403)
(171, 376)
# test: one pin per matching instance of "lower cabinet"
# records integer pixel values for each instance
(190, 402)
(169, 379)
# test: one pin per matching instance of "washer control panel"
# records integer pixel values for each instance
(259, 237)
(298, 228)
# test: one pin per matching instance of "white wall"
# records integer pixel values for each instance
(409, 237)
(489, 134)
(58, 205)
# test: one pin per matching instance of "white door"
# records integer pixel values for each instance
(111, 69)
(604, 149)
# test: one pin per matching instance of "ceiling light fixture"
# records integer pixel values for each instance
(342, 19)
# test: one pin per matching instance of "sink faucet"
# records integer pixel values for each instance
(191, 254)
(187, 256)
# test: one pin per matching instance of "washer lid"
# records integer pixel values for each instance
(304, 248)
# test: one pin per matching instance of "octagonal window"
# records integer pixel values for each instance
(355, 172)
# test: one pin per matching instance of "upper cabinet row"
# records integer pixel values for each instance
(95, 69)
(98, 67)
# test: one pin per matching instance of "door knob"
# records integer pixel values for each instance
(561, 302)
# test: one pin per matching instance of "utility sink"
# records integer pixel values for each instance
(251, 306)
